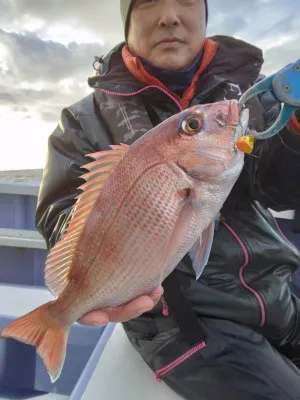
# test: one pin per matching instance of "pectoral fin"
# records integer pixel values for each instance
(200, 252)
(180, 230)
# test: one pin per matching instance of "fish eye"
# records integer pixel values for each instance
(192, 125)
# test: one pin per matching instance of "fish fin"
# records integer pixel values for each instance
(200, 252)
(37, 328)
(59, 260)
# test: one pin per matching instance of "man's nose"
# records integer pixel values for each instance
(169, 15)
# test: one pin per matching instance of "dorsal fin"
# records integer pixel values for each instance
(59, 260)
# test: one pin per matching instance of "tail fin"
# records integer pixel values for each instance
(38, 328)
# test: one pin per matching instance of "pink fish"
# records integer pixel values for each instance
(142, 208)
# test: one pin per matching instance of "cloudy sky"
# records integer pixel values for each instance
(47, 49)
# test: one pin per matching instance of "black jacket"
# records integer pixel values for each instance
(246, 279)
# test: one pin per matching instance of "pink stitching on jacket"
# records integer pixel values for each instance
(241, 274)
(142, 90)
(178, 361)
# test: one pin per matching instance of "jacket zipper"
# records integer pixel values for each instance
(242, 269)
(142, 90)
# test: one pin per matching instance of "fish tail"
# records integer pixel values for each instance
(49, 336)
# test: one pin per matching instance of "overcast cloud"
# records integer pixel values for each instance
(47, 48)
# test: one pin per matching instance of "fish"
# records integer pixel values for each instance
(141, 209)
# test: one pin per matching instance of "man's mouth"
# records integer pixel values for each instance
(169, 41)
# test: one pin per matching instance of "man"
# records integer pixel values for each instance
(234, 333)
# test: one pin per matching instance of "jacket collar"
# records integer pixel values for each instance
(233, 61)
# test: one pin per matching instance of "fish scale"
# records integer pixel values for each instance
(142, 208)
(132, 237)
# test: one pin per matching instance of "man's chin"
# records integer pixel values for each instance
(170, 60)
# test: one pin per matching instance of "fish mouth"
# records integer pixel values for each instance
(242, 125)
(212, 156)
(238, 119)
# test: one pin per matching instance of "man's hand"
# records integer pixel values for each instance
(123, 313)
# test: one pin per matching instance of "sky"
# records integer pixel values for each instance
(47, 50)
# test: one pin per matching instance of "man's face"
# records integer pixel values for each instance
(167, 33)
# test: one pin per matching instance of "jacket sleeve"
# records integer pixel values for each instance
(67, 146)
(278, 174)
